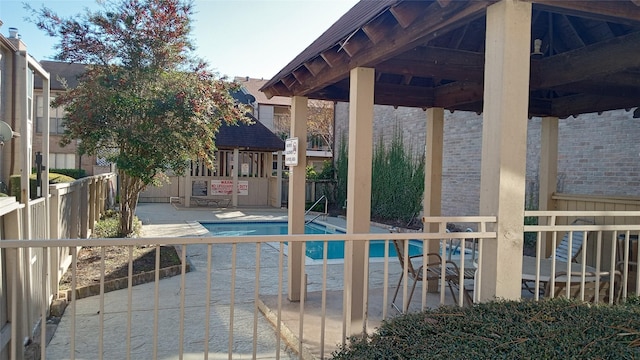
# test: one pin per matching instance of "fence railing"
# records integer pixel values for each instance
(217, 308)
(591, 255)
(31, 274)
(240, 273)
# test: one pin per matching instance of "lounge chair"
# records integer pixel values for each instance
(595, 291)
(434, 273)
(577, 238)
(562, 252)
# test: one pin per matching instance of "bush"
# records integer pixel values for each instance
(14, 183)
(109, 226)
(342, 169)
(74, 173)
(397, 184)
(551, 329)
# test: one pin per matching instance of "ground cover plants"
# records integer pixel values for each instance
(549, 329)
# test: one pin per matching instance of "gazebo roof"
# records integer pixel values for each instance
(431, 54)
(254, 137)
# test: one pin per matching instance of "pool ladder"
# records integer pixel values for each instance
(326, 203)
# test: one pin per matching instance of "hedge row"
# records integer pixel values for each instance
(551, 329)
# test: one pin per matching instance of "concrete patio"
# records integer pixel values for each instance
(165, 220)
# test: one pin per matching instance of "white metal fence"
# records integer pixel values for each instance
(233, 303)
(602, 251)
(239, 272)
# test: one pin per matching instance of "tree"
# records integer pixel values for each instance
(145, 99)
(319, 123)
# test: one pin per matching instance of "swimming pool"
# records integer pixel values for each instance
(314, 249)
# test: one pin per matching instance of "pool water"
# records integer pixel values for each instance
(314, 249)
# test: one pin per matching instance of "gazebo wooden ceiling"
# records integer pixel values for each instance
(431, 54)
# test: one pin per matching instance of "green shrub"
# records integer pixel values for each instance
(551, 329)
(14, 183)
(397, 183)
(342, 168)
(109, 226)
(74, 173)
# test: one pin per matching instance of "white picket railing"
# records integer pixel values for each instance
(609, 250)
(217, 309)
(258, 270)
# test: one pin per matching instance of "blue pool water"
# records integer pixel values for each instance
(314, 249)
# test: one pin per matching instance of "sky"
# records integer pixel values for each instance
(255, 38)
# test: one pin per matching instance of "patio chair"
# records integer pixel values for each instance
(434, 273)
(577, 238)
(590, 286)
(562, 250)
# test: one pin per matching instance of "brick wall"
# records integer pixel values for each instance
(597, 154)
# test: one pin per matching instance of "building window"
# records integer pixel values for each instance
(62, 161)
(56, 115)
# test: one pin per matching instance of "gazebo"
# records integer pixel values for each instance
(507, 59)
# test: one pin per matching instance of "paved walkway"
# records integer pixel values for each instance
(165, 220)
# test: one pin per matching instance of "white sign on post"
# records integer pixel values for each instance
(291, 152)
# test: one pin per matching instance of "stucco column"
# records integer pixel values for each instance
(297, 175)
(358, 193)
(432, 204)
(279, 180)
(548, 172)
(234, 174)
(504, 145)
(188, 186)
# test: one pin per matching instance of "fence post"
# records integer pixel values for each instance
(91, 189)
(16, 281)
(74, 222)
(84, 206)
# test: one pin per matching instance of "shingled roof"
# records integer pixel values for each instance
(254, 137)
(60, 71)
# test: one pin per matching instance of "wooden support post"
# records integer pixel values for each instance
(504, 144)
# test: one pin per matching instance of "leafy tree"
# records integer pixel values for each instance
(319, 123)
(145, 98)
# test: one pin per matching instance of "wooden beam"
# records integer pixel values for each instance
(437, 62)
(602, 88)
(627, 78)
(355, 43)
(334, 56)
(407, 12)
(376, 29)
(582, 104)
(591, 62)
(454, 94)
(397, 41)
(278, 89)
(316, 65)
(302, 74)
(289, 80)
(625, 12)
